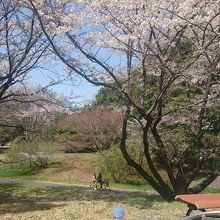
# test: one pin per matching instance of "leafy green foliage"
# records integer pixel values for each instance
(213, 117)
(113, 163)
(107, 98)
(61, 136)
(7, 135)
(182, 52)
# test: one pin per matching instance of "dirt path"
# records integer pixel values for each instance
(74, 187)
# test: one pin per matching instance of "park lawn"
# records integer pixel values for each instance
(66, 168)
(23, 202)
(74, 168)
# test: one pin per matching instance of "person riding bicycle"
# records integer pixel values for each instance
(100, 180)
(94, 179)
(93, 185)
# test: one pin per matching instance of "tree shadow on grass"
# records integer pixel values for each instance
(15, 198)
(143, 201)
(25, 206)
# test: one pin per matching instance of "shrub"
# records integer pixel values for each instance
(30, 154)
(101, 128)
(115, 164)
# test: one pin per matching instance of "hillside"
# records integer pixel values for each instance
(77, 167)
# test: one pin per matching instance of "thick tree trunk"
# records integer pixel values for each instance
(157, 183)
(180, 183)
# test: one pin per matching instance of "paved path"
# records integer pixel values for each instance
(45, 184)
(216, 183)
(74, 187)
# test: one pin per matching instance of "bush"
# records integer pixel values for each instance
(100, 128)
(115, 164)
(30, 154)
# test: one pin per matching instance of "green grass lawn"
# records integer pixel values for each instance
(23, 202)
(63, 168)
(64, 162)
(35, 175)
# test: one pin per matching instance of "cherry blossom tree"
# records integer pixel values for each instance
(168, 51)
(28, 119)
(23, 48)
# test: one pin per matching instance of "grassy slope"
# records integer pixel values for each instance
(71, 168)
(68, 168)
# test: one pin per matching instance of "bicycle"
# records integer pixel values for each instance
(104, 184)
(93, 185)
